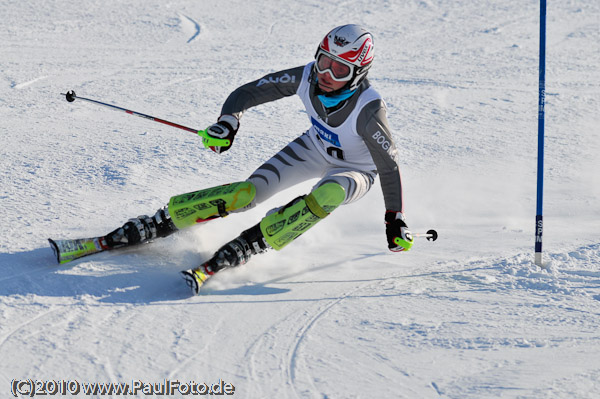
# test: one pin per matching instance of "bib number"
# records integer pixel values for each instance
(335, 152)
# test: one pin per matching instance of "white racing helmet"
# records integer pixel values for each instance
(347, 53)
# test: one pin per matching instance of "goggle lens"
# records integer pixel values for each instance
(339, 71)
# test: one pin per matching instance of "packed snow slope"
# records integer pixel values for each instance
(335, 314)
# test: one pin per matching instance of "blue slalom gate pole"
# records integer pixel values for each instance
(539, 224)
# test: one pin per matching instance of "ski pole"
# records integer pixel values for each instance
(431, 235)
(206, 139)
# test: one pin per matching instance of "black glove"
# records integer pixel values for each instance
(226, 128)
(398, 236)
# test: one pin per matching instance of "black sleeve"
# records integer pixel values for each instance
(270, 87)
(372, 125)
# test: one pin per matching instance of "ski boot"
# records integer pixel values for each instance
(136, 231)
(141, 229)
(234, 253)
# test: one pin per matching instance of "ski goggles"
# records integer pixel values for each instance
(339, 70)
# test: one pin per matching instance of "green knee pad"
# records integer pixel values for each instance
(287, 224)
(200, 206)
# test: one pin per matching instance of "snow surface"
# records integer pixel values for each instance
(335, 315)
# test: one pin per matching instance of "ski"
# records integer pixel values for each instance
(69, 250)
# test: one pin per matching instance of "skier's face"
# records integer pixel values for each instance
(327, 84)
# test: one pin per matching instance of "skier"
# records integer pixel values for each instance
(348, 143)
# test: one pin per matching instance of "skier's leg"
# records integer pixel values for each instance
(275, 230)
(356, 183)
(211, 203)
(279, 228)
(183, 211)
(297, 162)
(339, 186)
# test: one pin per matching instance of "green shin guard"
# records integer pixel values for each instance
(287, 224)
(200, 206)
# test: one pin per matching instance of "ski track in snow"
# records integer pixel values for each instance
(269, 34)
(190, 26)
(29, 83)
(198, 352)
(335, 315)
(295, 358)
(288, 333)
(17, 329)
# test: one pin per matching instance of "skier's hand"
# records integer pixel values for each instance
(222, 132)
(398, 236)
